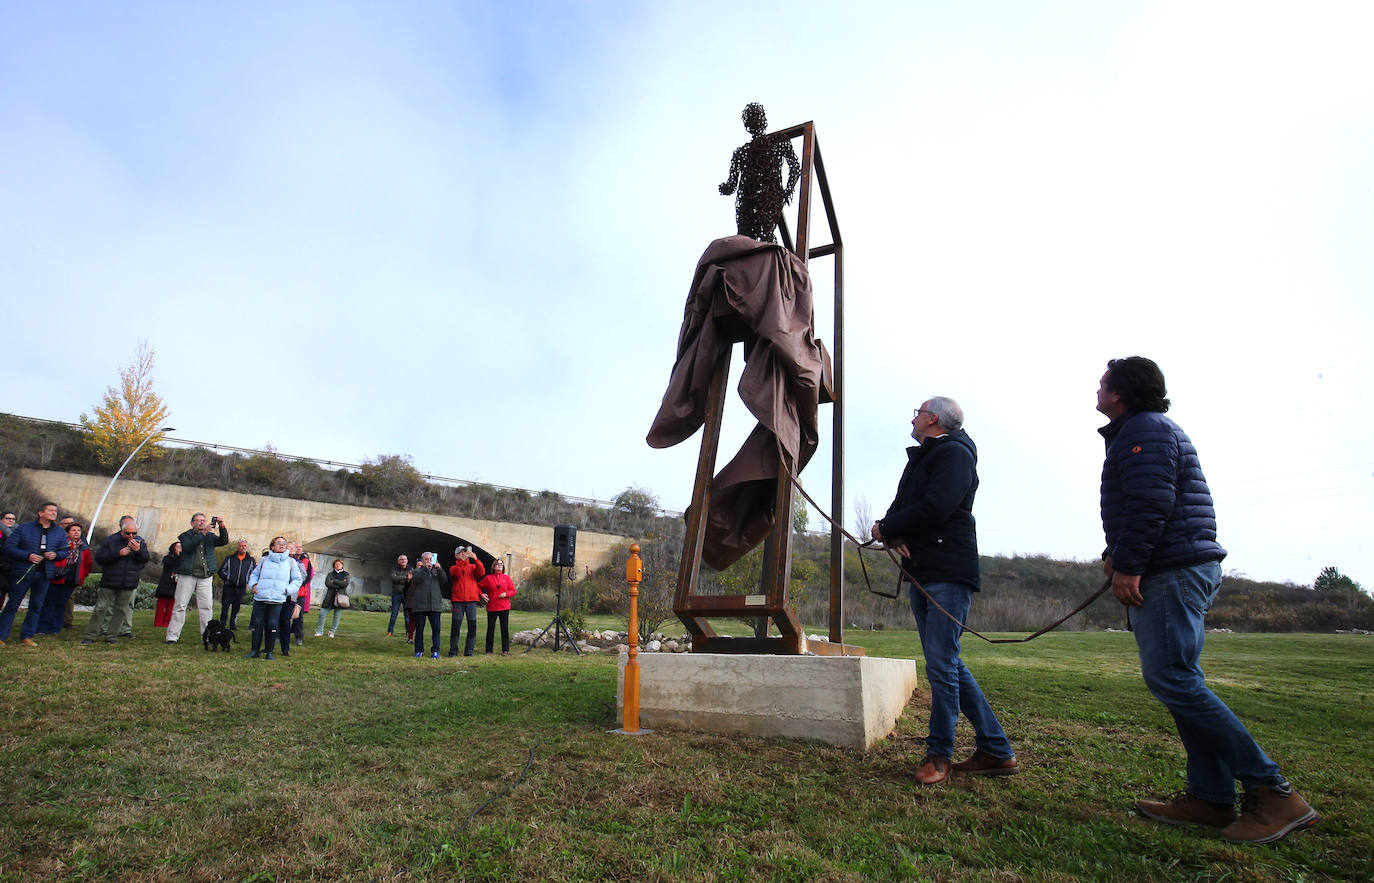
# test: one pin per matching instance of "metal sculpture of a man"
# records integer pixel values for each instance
(754, 170)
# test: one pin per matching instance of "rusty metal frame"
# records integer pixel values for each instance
(771, 601)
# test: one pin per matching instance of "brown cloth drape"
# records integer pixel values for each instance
(758, 293)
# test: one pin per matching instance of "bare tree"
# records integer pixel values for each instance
(863, 518)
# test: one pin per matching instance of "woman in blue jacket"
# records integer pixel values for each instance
(274, 582)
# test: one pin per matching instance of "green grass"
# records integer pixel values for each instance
(353, 760)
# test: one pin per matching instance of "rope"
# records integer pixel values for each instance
(915, 583)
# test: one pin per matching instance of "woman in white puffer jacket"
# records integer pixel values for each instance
(274, 582)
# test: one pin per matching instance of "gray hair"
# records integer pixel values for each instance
(197, 515)
(951, 416)
(125, 519)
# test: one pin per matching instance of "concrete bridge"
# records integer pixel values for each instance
(368, 540)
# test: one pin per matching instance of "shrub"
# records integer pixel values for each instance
(370, 603)
(145, 596)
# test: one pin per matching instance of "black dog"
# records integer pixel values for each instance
(217, 637)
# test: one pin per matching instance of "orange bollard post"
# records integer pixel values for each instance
(634, 574)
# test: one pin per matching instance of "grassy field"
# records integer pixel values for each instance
(353, 760)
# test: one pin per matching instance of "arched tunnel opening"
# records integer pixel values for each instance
(369, 553)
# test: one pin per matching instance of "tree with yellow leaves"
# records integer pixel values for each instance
(129, 414)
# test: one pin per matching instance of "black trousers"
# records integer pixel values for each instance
(504, 617)
(264, 623)
(284, 625)
(230, 599)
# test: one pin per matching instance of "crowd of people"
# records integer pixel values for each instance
(417, 594)
(45, 560)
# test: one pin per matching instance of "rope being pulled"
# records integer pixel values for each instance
(915, 583)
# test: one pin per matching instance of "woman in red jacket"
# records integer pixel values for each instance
(497, 590)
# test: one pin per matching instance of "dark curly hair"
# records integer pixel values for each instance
(1139, 382)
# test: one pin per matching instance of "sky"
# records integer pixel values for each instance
(464, 232)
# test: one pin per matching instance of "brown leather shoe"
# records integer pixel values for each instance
(933, 771)
(1270, 813)
(984, 764)
(1183, 808)
(28, 642)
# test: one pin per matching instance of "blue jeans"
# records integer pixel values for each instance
(1169, 632)
(397, 599)
(338, 612)
(952, 687)
(34, 582)
(54, 608)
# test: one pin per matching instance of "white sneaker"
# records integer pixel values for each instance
(319, 634)
(331, 634)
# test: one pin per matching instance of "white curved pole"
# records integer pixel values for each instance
(95, 519)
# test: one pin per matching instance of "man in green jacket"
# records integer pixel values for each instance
(197, 571)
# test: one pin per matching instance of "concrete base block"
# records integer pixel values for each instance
(850, 701)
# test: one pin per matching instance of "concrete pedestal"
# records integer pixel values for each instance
(850, 701)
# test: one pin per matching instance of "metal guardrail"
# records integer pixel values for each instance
(356, 467)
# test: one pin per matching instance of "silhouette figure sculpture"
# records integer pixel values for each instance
(754, 170)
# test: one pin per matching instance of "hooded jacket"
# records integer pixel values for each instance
(275, 578)
(933, 510)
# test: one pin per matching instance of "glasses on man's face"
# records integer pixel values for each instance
(130, 533)
(919, 411)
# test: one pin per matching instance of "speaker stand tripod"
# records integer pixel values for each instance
(560, 628)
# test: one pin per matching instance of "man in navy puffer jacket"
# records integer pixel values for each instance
(1164, 560)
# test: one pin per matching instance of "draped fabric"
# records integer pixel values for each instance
(757, 293)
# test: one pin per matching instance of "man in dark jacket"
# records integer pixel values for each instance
(1165, 563)
(930, 524)
(121, 558)
(429, 584)
(233, 573)
(400, 584)
(196, 572)
(7, 522)
(32, 547)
